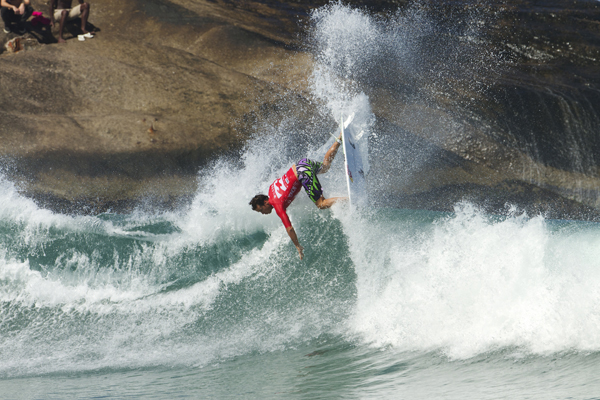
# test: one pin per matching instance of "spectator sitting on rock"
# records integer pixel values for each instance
(15, 12)
(61, 10)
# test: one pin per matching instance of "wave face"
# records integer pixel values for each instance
(385, 298)
(130, 291)
(217, 281)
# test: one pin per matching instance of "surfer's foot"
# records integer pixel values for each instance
(324, 203)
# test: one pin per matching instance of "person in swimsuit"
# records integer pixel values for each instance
(284, 190)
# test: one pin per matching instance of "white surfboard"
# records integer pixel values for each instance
(354, 165)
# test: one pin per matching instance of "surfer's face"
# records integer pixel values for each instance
(264, 209)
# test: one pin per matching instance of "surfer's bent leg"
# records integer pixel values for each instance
(324, 203)
(307, 175)
(330, 155)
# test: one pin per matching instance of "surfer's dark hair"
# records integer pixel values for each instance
(258, 200)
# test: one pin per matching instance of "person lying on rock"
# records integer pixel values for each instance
(284, 190)
(61, 10)
(15, 12)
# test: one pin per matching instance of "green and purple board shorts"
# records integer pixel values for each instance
(307, 175)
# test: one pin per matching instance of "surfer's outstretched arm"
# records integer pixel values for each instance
(330, 155)
(292, 233)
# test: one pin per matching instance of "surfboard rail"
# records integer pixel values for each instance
(353, 163)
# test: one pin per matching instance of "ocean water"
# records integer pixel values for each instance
(211, 300)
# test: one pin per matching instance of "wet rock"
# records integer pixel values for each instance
(527, 135)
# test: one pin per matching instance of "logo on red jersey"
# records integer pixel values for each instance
(280, 187)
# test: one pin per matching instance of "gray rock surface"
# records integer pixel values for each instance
(133, 114)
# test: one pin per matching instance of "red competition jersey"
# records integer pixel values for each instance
(281, 194)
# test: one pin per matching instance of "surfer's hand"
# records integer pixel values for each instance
(300, 251)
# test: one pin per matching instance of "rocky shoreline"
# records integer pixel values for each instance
(129, 117)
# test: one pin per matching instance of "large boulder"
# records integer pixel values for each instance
(499, 107)
(134, 112)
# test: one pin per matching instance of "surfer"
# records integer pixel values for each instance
(284, 190)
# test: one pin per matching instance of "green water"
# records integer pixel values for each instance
(386, 304)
